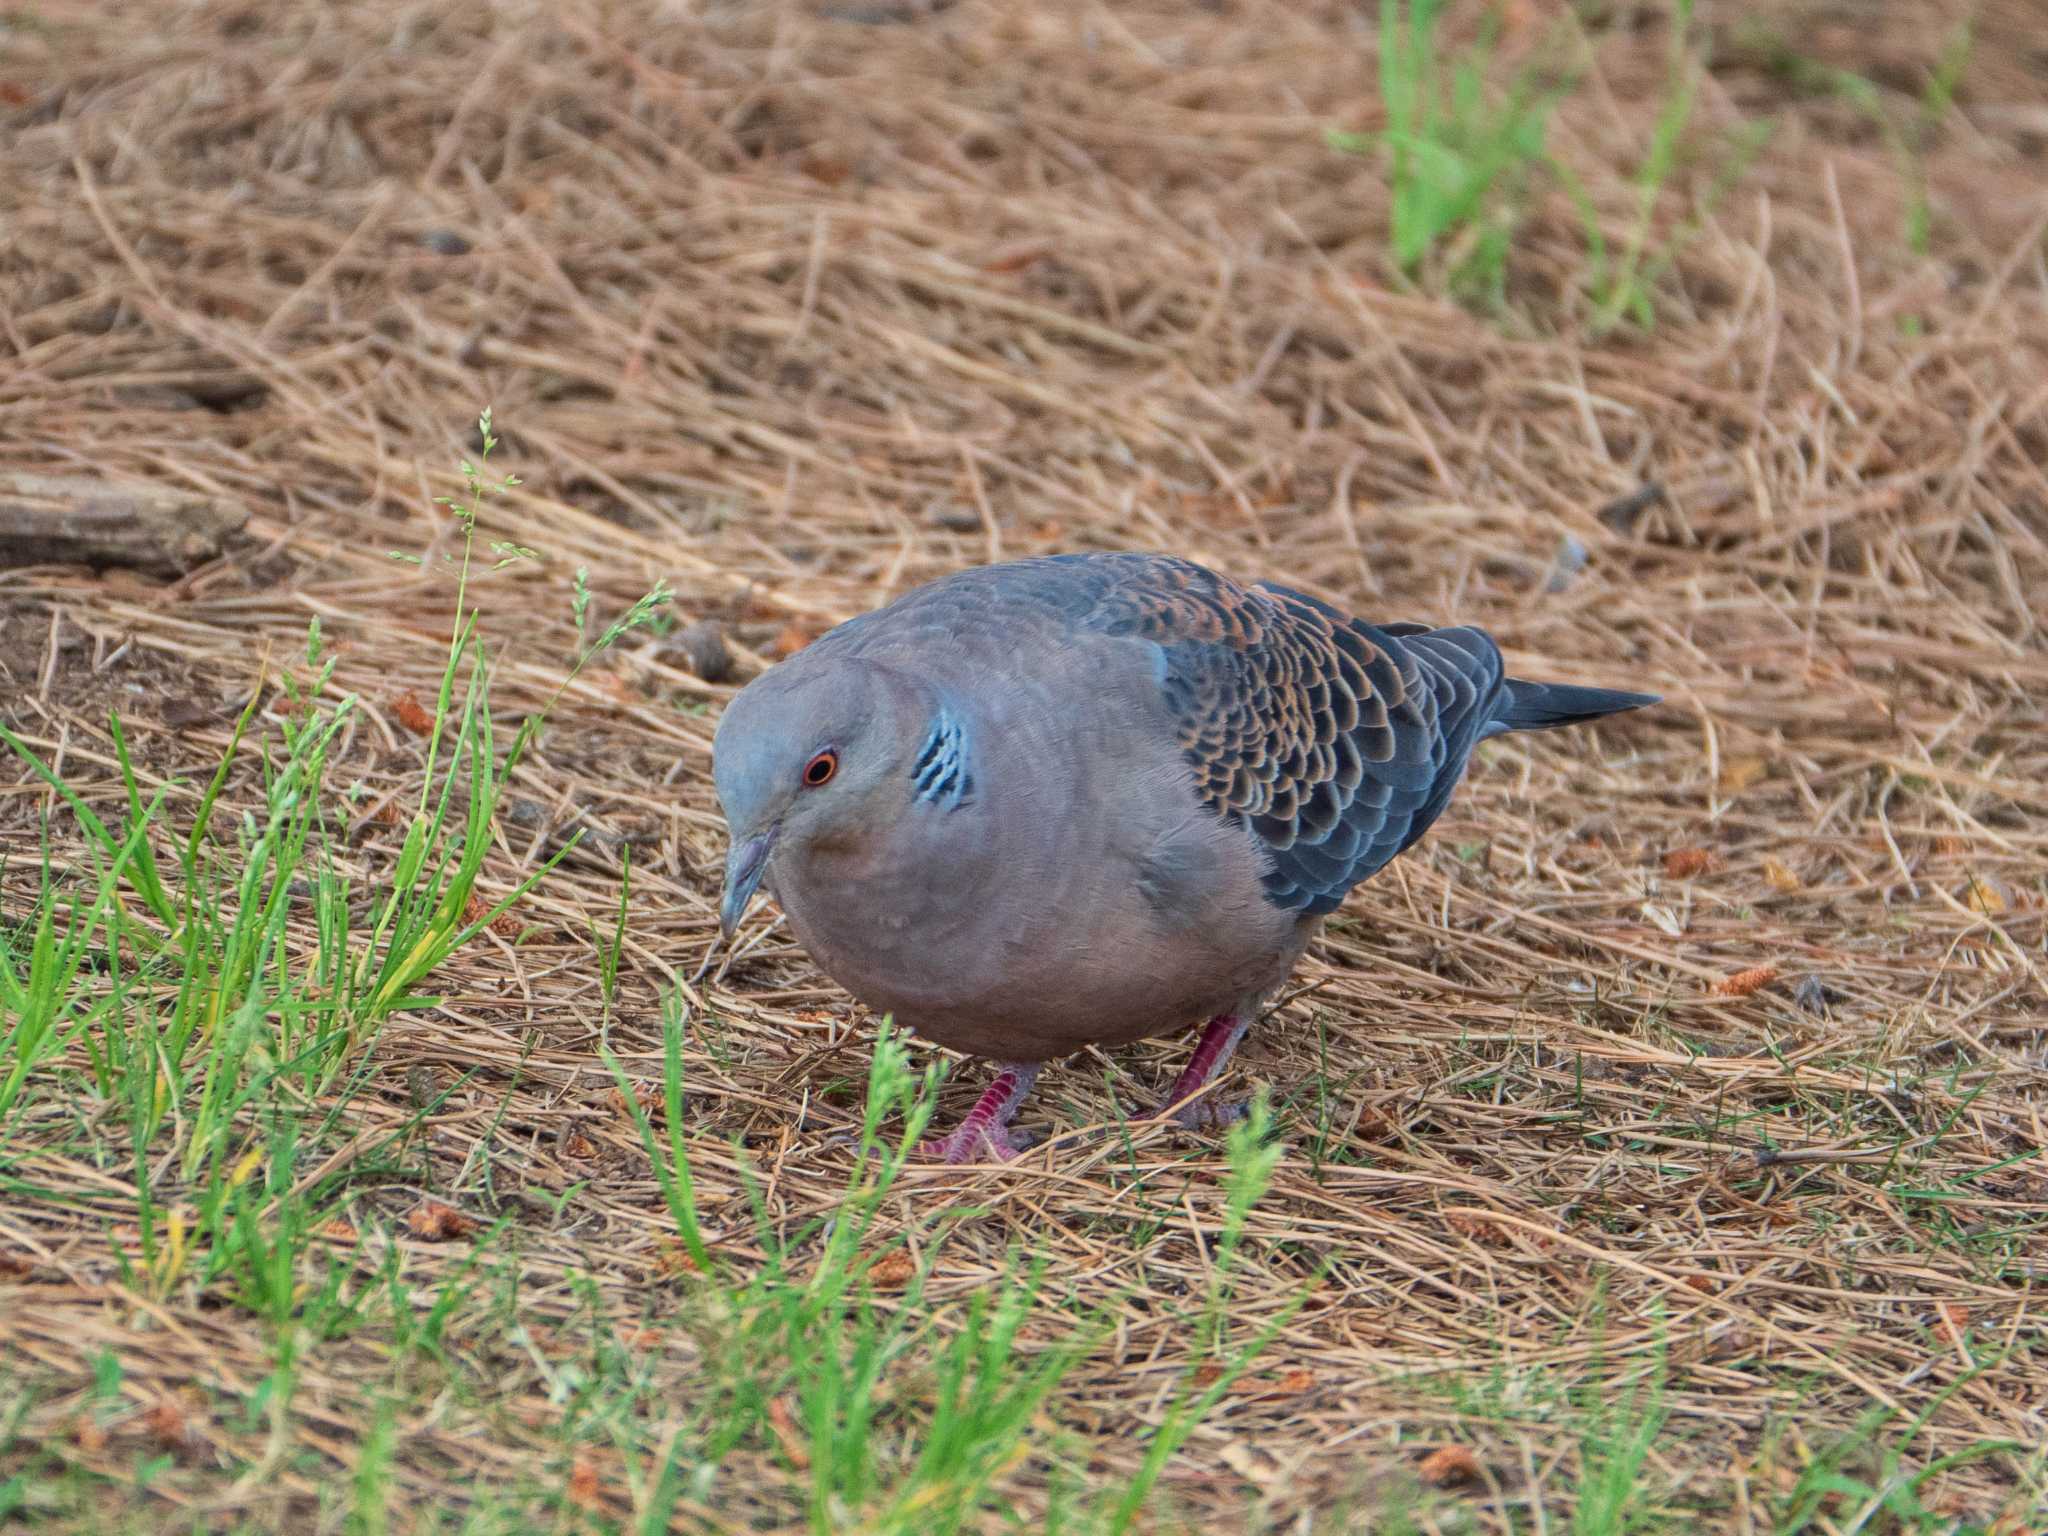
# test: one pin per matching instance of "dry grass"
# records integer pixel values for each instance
(794, 311)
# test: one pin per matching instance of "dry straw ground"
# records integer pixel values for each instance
(796, 306)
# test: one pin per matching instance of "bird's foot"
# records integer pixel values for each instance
(986, 1130)
(1219, 1038)
(970, 1143)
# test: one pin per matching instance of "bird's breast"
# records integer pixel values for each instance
(1030, 927)
(900, 923)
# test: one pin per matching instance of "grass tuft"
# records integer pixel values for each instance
(1461, 160)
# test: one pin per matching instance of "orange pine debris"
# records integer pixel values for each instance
(1743, 983)
(893, 1268)
(434, 1222)
(1684, 863)
(1449, 1466)
(412, 714)
(583, 1483)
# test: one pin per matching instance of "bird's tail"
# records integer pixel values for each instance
(1527, 706)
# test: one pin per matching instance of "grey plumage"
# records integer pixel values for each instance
(1092, 798)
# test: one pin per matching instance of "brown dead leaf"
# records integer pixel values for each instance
(1373, 1124)
(15, 1266)
(167, 1425)
(1684, 863)
(1208, 1373)
(672, 1258)
(1475, 1225)
(1704, 1284)
(893, 1268)
(1018, 257)
(649, 1099)
(535, 198)
(1291, 1383)
(505, 925)
(338, 1231)
(1449, 1466)
(783, 1422)
(1742, 983)
(826, 170)
(583, 1484)
(433, 1222)
(1738, 773)
(1981, 897)
(412, 714)
(1780, 875)
(88, 1435)
(1494, 1231)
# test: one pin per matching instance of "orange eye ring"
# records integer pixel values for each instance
(819, 770)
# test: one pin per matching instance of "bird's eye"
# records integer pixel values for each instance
(819, 770)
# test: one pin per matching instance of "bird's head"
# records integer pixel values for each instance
(812, 755)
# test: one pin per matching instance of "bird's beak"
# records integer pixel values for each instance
(744, 867)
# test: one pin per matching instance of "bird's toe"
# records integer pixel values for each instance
(1209, 1114)
(975, 1144)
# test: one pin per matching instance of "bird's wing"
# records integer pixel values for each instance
(1337, 743)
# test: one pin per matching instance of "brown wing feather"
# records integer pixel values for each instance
(1336, 742)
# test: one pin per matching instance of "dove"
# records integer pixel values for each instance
(1087, 799)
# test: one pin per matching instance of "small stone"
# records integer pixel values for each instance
(1621, 513)
(445, 242)
(1566, 564)
(953, 517)
(703, 650)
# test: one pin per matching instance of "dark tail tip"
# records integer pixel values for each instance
(1541, 706)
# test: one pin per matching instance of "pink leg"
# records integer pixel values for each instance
(987, 1126)
(1219, 1039)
